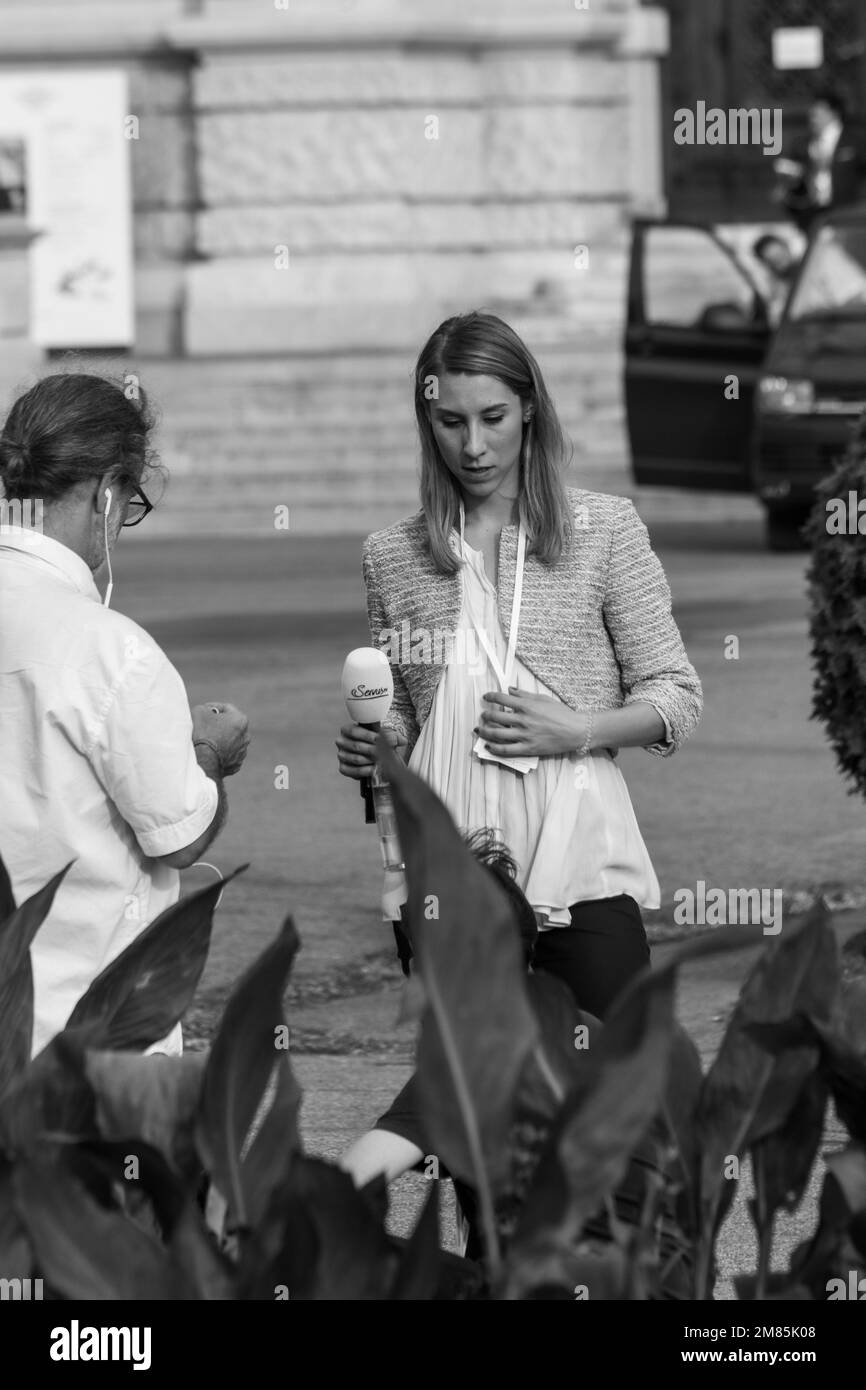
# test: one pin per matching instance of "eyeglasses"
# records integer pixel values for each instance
(137, 508)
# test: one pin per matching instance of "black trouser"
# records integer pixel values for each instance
(596, 956)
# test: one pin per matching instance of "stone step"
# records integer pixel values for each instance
(351, 512)
(198, 389)
(337, 466)
(601, 382)
(333, 437)
(371, 433)
(583, 387)
(345, 366)
(326, 482)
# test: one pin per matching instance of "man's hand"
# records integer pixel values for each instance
(529, 725)
(226, 728)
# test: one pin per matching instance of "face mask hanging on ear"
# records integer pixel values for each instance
(108, 497)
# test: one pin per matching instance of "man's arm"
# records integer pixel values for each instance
(162, 764)
(210, 764)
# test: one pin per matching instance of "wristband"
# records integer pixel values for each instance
(586, 746)
(206, 743)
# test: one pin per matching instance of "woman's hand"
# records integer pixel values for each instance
(356, 749)
(530, 725)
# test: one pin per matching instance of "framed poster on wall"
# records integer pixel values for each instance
(66, 132)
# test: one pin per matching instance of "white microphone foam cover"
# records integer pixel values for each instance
(368, 685)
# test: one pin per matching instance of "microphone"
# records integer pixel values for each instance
(368, 690)
(368, 686)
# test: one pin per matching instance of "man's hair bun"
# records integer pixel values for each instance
(14, 458)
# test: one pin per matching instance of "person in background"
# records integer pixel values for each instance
(779, 263)
(102, 763)
(829, 172)
(13, 190)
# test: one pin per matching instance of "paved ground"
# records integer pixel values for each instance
(753, 801)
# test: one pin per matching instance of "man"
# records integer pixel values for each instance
(101, 760)
(829, 173)
(779, 263)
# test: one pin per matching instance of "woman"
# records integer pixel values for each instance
(542, 619)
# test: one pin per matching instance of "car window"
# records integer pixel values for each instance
(833, 283)
(685, 273)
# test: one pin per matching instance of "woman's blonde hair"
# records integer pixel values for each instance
(483, 345)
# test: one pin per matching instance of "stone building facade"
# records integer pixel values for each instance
(333, 177)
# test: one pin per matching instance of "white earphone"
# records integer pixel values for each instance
(108, 499)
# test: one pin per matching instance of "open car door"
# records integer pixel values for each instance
(695, 320)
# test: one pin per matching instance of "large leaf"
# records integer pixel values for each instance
(16, 1256)
(355, 1258)
(274, 1139)
(831, 1253)
(7, 900)
(845, 1073)
(679, 1107)
(685, 1073)
(782, 1164)
(154, 1098)
(246, 1067)
(127, 1173)
(564, 1060)
(83, 1251)
(278, 1258)
(849, 1016)
(849, 1170)
(634, 1052)
(418, 1274)
(146, 990)
(775, 1288)
(156, 1191)
(782, 1161)
(598, 1127)
(747, 1093)
(478, 1025)
(560, 1065)
(843, 1069)
(571, 1053)
(324, 1241)
(560, 1061)
(53, 1098)
(16, 979)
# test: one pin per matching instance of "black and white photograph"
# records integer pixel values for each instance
(432, 673)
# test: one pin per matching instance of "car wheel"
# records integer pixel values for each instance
(784, 528)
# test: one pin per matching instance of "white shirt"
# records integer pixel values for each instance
(569, 822)
(822, 149)
(96, 765)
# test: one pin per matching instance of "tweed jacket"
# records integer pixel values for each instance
(597, 628)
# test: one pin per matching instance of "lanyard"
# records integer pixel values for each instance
(504, 675)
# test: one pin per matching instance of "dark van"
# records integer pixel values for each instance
(716, 397)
